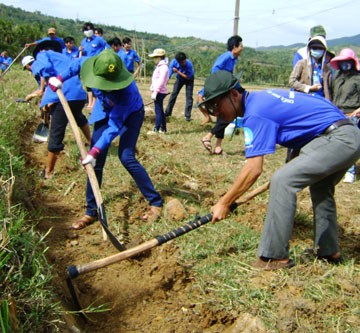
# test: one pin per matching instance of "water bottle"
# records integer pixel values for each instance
(316, 77)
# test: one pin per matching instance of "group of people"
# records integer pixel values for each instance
(118, 110)
(325, 140)
(315, 121)
(318, 71)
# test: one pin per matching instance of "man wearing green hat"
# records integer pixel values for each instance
(295, 120)
(121, 114)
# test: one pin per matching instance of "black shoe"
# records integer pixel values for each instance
(167, 114)
(188, 119)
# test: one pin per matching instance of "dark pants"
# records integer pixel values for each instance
(126, 153)
(59, 122)
(219, 129)
(160, 119)
(189, 97)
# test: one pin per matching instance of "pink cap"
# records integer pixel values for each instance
(345, 54)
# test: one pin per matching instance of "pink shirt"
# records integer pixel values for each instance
(160, 77)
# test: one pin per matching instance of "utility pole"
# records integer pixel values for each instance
(236, 18)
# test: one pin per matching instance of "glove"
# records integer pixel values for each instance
(153, 95)
(91, 156)
(55, 83)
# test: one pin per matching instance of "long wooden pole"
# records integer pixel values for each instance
(74, 271)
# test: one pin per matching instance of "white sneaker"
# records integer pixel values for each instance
(162, 132)
(349, 178)
(154, 131)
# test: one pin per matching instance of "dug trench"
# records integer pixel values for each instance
(159, 291)
(147, 293)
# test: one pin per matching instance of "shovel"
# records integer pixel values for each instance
(74, 271)
(91, 174)
(41, 133)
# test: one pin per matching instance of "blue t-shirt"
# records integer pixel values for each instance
(5, 63)
(288, 118)
(129, 58)
(118, 106)
(50, 63)
(93, 46)
(56, 38)
(74, 53)
(225, 62)
(187, 69)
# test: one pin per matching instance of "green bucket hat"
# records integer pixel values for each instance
(217, 84)
(106, 71)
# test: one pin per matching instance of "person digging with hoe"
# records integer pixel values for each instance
(328, 142)
(122, 115)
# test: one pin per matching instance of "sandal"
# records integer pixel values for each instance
(268, 264)
(207, 144)
(152, 214)
(218, 152)
(84, 222)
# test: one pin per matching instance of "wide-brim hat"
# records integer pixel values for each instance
(47, 44)
(106, 71)
(157, 53)
(218, 84)
(344, 55)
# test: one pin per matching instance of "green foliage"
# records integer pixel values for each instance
(27, 301)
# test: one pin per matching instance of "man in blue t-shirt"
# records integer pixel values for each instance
(5, 61)
(184, 76)
(50, 63)
(328, 143)
(130, 57)
(51, 36)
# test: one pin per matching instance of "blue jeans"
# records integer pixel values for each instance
(160, 119)
(126, 153)
(189, 96)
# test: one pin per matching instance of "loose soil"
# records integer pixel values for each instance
(150, 292)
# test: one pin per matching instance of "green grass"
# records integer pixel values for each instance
(27, 301)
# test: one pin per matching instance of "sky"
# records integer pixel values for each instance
(261, 22)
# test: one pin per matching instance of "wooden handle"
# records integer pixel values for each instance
(74, 271)
(88, 167)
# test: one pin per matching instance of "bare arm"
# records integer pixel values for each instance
(139, 64)
(247, 177)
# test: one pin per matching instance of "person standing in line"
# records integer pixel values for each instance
(184, 76)
(70, 49)
(51, 36)
(158, 89)
(329, 143)
(130, 57)
(91, 45)
(119, 111)
(302, 53)
(227, 62)
(346, 91)
(5, 61)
